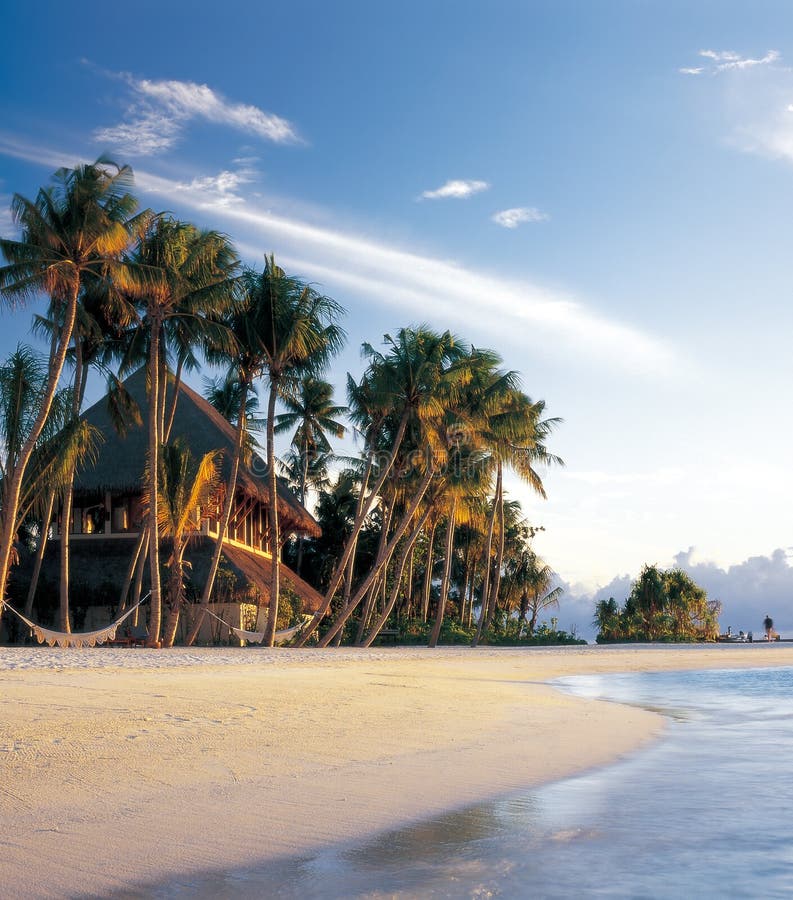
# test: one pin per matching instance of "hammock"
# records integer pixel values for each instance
(78, 638)
(256, 637)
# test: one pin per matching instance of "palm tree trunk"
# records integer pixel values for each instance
(155, 602)
(275, 586)
(177, 380)
(388, 511)
(447, 569)
(303, 483)
(141, 540)
(381, 562)
(223, 525)
(338, 574)
(176, 595)
(68, 498)
(40, 550)
(493, 603)
(139, 570)
(10, 505)
(400, 568)
(486, 576)
(427, 586)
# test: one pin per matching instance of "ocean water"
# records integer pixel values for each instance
(706, 812)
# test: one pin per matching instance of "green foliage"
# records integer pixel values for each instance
(662, 606)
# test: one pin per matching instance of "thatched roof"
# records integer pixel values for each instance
(121, 460)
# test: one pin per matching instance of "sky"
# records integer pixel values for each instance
(601, 192)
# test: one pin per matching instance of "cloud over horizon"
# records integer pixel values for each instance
(159, 112)
(747, 590)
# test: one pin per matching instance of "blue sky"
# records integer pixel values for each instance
(600, 191)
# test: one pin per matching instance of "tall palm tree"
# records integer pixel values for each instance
(77, 228)
(190, 279)
(529, 582)
(516, 436)
(422, 374)
(312, 414)
(407, 385)
(299, 335)
(186, 489)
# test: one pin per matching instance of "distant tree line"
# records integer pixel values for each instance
(662, 606)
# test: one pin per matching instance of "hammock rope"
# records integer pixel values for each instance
(75, 638)
(256, 637)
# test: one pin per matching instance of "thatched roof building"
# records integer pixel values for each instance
(108, 513)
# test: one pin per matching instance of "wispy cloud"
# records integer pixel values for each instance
(159, 111)
(518, 215)
(474, 300)
(729, 61)
(456, 188)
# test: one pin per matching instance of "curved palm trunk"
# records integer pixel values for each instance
(493, 603)
(400, 569)
(367, 610)
(366, 507)
(427, 586)
(141, 540)
(223, 525)
(447, 570)
(303, 484)
(275, 536)
(40, 551)
(155, 603)
(177, 380)
(10, 506)
(486, 576)
(381, 562)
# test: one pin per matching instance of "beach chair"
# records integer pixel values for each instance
(138, 635)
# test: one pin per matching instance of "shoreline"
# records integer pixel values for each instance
(125, 767)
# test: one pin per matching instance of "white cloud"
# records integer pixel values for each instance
(456, 188)
(159, 111)
(729, 61)
(214, 191)
(518, 215)
(416, 284)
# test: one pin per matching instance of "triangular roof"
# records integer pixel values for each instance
(121, 460)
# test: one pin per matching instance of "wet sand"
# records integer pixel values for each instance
(120, 767)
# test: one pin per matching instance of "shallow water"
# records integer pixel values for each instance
(705, 813)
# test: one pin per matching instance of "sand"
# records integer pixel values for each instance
(121, 767)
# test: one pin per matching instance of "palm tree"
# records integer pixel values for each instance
(186, 489)
(78, 228)
(298, 337)
(63, 443)
(311, 412)
(529, 582)
(405, 386)
(190, 279)
(421, 376)
(516, 438)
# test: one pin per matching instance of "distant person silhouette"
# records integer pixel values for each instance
(768, 624)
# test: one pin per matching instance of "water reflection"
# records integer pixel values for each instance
(705, 813)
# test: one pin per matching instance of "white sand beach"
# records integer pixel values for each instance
(119, 767)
